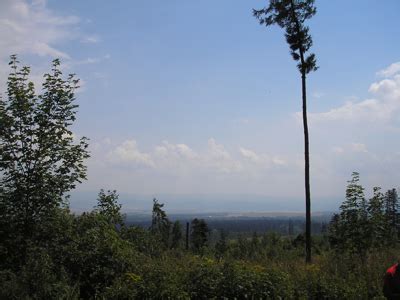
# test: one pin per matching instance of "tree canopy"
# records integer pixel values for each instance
(40, 158)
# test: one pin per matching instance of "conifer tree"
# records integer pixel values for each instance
(176, 235)
(354, 218)
(160, 224)
(291, 15)
(335, 233)
(391, 203)
(199, 235)
(378, 225)
(360, 225)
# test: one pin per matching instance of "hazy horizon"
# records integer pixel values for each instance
(204, 203)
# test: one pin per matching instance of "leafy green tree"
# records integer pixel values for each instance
(109, 208)
(40, 161)
(199, 235)
(142, 240)
(98, 255)
(291, 15)
(40, 278)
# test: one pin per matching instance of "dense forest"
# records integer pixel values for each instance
(48, 252)
(241, 226)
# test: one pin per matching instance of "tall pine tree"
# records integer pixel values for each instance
(378, 229)
(291, 16)
(354, 218)
(391, 203)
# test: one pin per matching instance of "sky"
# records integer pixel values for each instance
(195, 100)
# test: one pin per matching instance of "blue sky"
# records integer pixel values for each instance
(194, 97)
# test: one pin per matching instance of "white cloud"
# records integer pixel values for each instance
(177, 167)
(359, 147)
(250, 155)
(128, 153)
(92, 39)
(387, 88)
(262, 160)
(175, 158)
(390, 71)
(218, 158)
(181, 159)
(31, 28)
(217, 151)
(43, 49)
(350, 111)
(279, 161)
(381, 107)
(183, 150)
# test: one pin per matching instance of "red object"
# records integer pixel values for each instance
(391, 283)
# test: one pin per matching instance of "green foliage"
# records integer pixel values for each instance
(176, 235)
(109, 208)
(291, 15)
(192, 277)
(160, 225)
(352, 225)
(354, 213)
(392, 212)
(362, 225)
(378, 226)
(99, 254)
(39, 278)
(221, 246)
(39, 160)
(244, 280)
(199, 235)
(143, 240)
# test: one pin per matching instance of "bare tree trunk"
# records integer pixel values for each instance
(307, 170)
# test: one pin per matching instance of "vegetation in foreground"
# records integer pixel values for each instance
(94, 255)
(47, 252)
